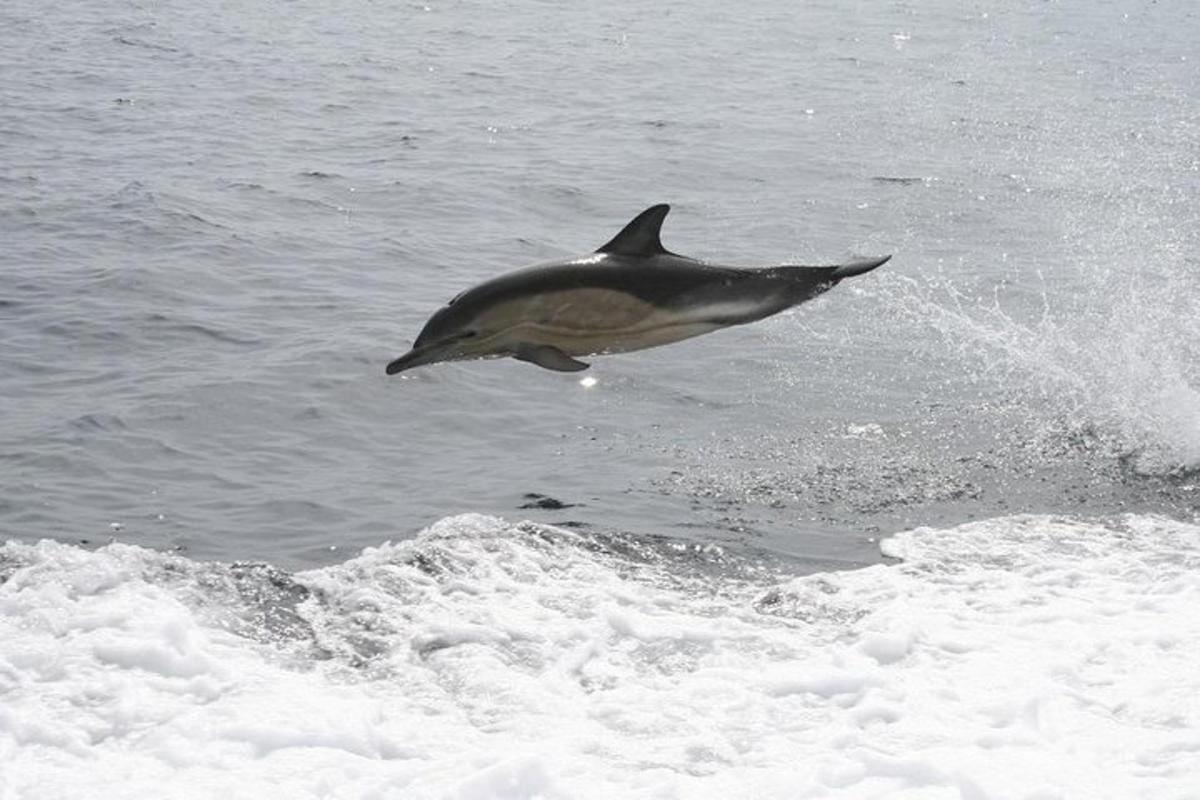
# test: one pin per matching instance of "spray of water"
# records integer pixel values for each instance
(1109, 340)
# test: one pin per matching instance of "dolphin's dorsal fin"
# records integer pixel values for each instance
(640, 237)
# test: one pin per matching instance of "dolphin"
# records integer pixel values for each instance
(630, 294)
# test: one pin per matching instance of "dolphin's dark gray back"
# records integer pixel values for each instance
(635, 262)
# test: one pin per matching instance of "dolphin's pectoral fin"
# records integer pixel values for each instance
(549, 357)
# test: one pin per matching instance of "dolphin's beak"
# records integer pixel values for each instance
(417, 357)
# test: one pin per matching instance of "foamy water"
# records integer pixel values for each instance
(1014, 657)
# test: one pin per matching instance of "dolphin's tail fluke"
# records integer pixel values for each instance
(857, 267)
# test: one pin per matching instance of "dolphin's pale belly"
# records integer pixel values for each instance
(593, 320)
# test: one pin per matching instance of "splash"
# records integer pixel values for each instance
(1108, 343)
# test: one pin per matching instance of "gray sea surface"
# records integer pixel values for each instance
(219, 221)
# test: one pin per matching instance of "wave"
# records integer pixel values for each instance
(1006, 657)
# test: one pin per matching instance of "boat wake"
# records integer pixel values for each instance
(1013, 656)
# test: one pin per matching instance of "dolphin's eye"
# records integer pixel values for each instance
(468, 334)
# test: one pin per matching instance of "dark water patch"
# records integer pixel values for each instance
(291, 304)
(99, 422)
(900, 181)
(185, 216)
(573, 524)
(535, 500)
(143, 44)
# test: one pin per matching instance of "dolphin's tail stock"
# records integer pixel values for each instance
(805, 283)
(826, 274)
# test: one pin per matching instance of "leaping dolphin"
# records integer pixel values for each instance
(630, 294)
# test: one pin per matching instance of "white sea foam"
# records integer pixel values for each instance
(1015, 657)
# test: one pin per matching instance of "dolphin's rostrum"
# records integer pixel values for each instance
(629, 295)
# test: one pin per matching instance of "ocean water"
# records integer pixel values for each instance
(238, 555)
